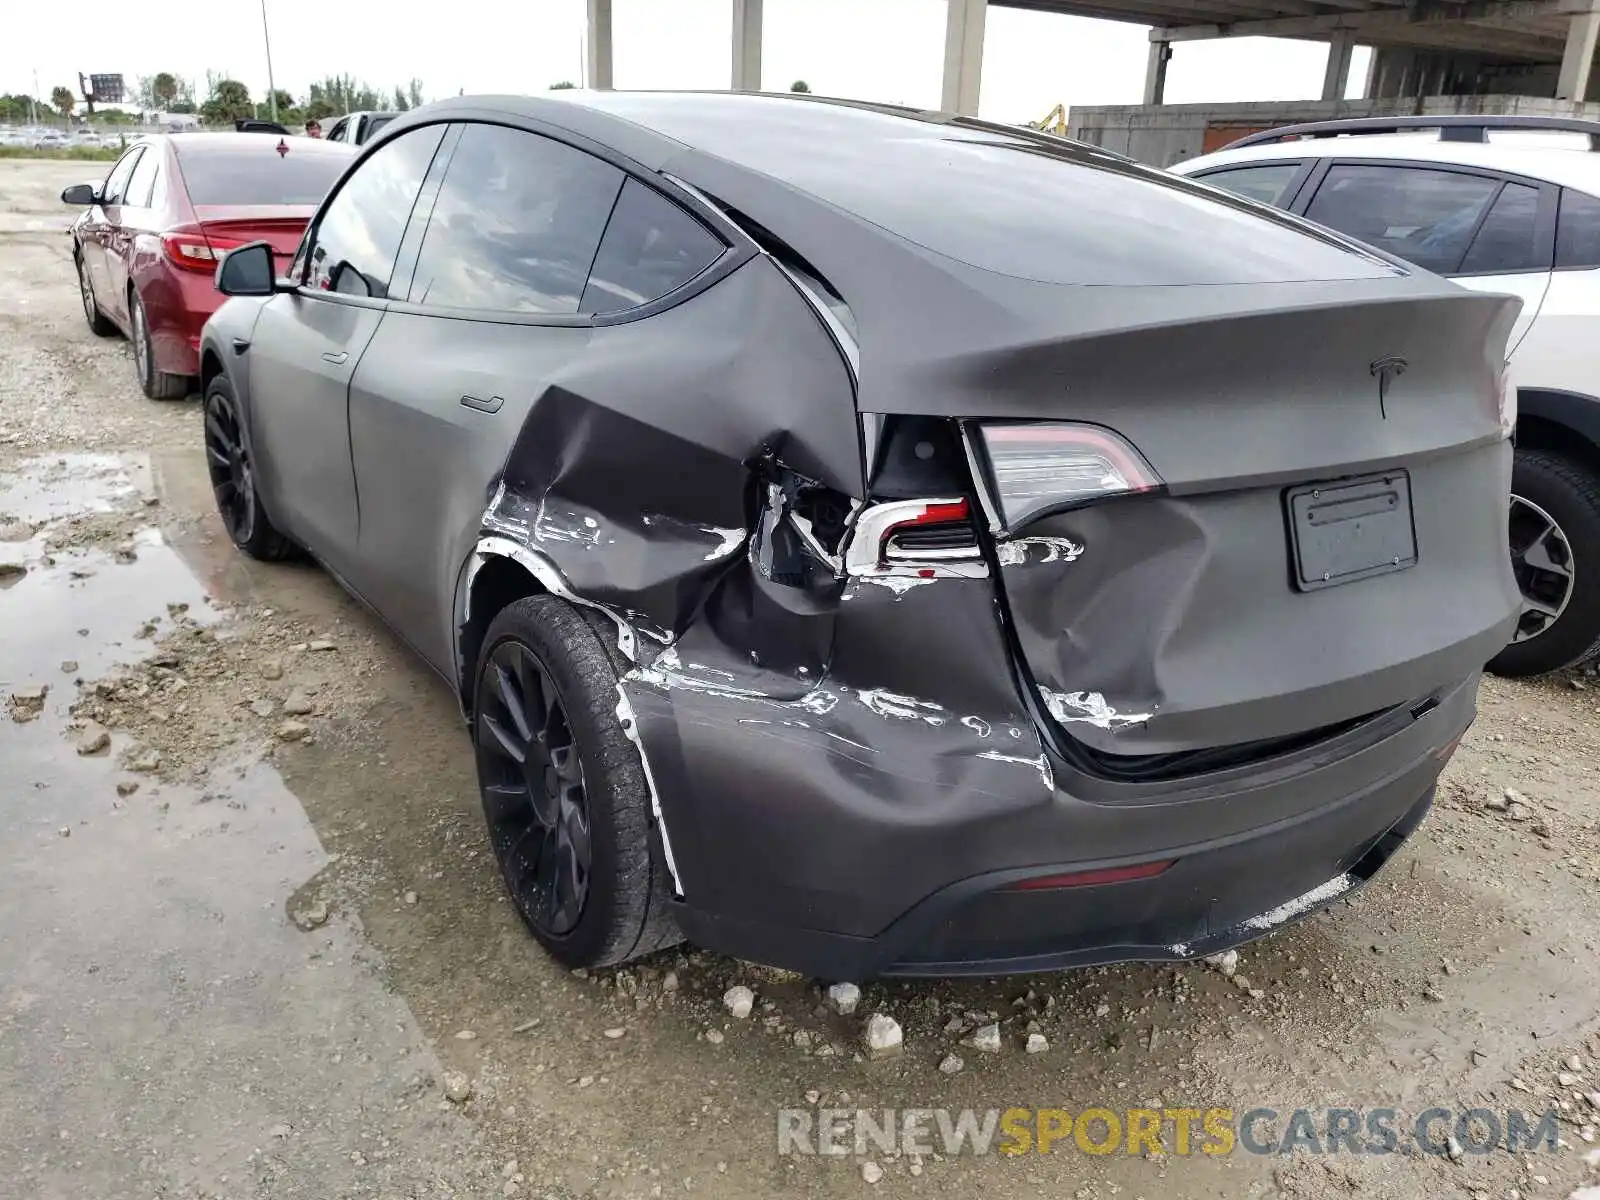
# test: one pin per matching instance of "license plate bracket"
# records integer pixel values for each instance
(1351, 529)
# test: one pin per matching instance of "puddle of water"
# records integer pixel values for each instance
(89, 607)
(68, 485)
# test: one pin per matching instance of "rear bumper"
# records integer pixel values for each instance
(177, 304)
(1222, 890)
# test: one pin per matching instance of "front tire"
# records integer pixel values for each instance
(98, 324)
(233, 478)
(158, 385)
(564, 791)
(1555, 555)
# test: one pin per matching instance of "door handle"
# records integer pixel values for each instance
(491, 405)
(329, 356)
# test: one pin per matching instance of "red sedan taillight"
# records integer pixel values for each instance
(191, 248)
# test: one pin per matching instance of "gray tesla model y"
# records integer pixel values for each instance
(874, 541)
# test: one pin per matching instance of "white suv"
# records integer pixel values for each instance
(1499, 204)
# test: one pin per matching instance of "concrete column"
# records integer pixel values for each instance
(1369, 90)
(963, 55)
(1155, 72)
(1578, 58)
(599, 44)
(1337, 75)
(747, 45)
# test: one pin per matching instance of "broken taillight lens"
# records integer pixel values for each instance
(1038, 468)
(913, 536)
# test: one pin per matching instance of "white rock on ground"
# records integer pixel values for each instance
(1227, 962)
(951, 1064)
(871, 1171)
(843, 998)
(884, 1035)
(457, 1087)
(739, 1000)
(1038, 1043)
(986, 1039)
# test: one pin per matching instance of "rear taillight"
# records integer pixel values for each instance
(192, 248)
(923, 539)
(1038, 468)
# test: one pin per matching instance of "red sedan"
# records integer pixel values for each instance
(148, 242)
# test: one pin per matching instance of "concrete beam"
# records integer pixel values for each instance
(1358, 23)
(1336, 77)
(1155, 73)
(747, 45)
(1577, 59)
(963, 56)
(599, 45)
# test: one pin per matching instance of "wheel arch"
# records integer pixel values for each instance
(1562, 422)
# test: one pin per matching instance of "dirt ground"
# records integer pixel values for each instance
(256, 945)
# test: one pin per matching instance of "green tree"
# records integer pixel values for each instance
(400, 99)
(64, 100)
(562, 86)
(414, 93)
(799, 85)
(229, 101)
(164, 89)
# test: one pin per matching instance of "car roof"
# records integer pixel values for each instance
(220, 141)
(1555, 157)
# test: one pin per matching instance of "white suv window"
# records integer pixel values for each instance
(1508, 240)
(1264, 182)
(1421, 215)
(1578, 230)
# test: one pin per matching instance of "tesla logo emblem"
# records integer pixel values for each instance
(1386, 371)
(282, 147)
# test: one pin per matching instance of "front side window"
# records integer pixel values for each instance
(1578, 230)
(651, 246)
(355, 244)
(1421, 215)
(1264, 183)
(516, 224)
(117, 182)
(142, 182)
(1508, 240)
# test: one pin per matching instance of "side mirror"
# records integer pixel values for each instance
(81, 195)
(247, 271)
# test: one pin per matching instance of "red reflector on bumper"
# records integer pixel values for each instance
(1091, 878)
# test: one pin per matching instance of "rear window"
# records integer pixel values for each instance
(252, 175)
(1052, 213)
(1264, 183)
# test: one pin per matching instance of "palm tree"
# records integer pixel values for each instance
(64, 100)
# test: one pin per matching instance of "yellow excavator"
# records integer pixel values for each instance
(1054, 121)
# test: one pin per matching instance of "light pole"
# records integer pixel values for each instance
(33, 100)
(266, 38)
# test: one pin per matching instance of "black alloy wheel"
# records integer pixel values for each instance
(533, 790)
(565, 794)
(228, 461)
(233, 481)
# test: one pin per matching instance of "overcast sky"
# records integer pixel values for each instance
(888, 50)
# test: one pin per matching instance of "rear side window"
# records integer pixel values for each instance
(1421, 215)
(143, 180)
(516, 224)
(651, 246)
(373, 125)
(354, 247)
(1578, 230)
(1264, 183)
(258, 174)
(1508, 240)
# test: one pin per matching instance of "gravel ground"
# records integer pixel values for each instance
(255, 944)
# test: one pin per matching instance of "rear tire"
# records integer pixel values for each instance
(559, 777)
(233, 480)
(158, 385)
(1558, 569)
(98, 324)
